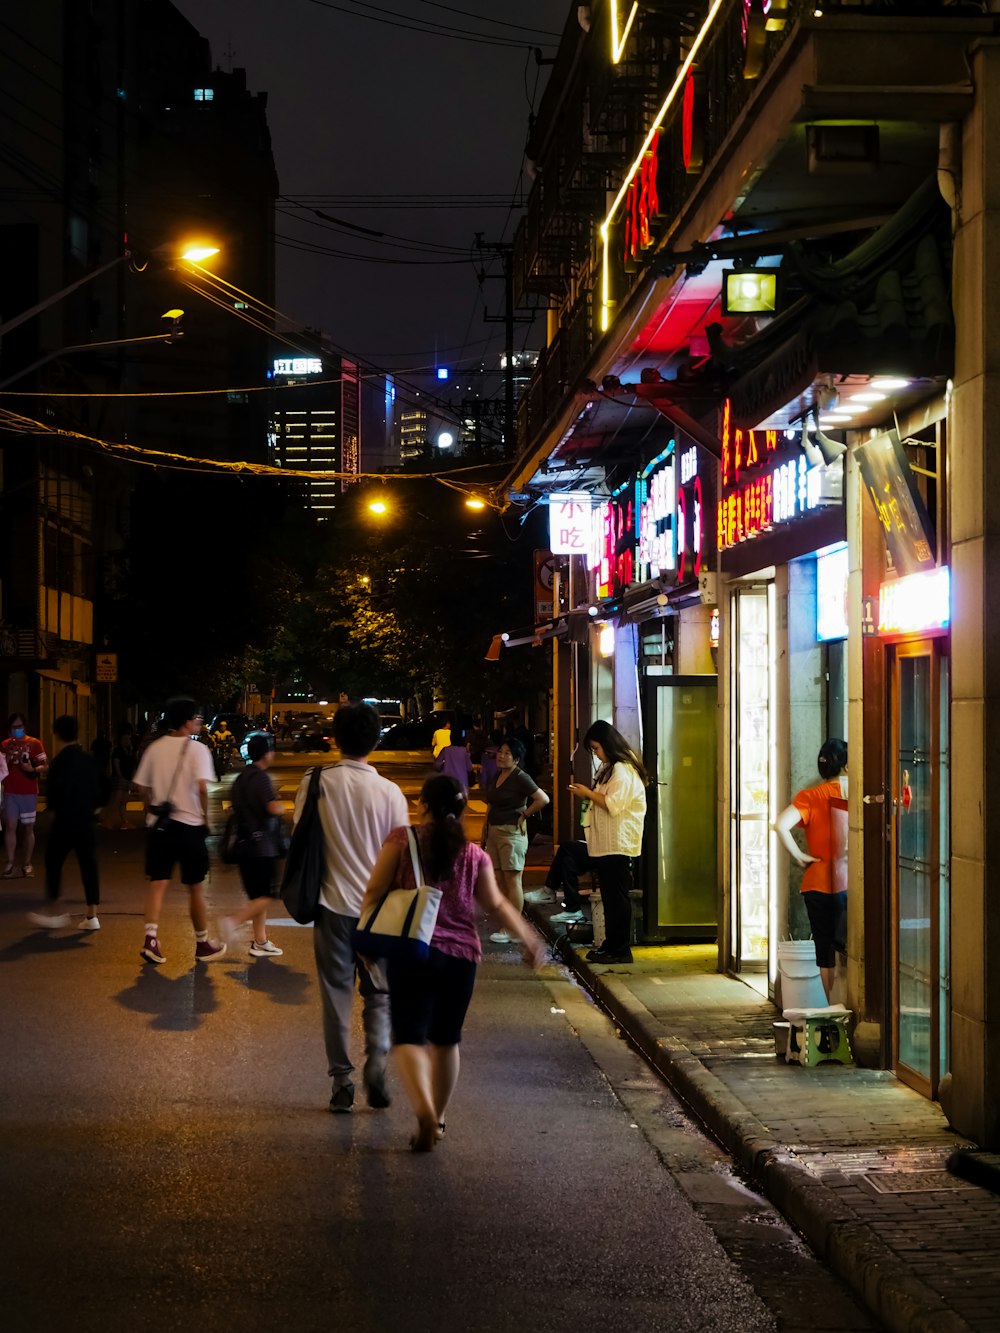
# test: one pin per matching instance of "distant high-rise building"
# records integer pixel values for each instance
(414, 432)
(120, 143)
(317, 421)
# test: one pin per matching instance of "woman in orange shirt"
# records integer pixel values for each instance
(822, 810)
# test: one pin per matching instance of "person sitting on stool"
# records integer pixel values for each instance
(562, 883)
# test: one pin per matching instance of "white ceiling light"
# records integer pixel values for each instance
(890, 382)
(868, 397)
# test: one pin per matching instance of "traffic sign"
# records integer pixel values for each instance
(106, 671)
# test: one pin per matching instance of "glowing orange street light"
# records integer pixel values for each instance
(475, 503)
(378, 507)
(195, 254)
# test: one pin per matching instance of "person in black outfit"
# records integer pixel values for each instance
(563, 881)
(258, 810)
(73, 794)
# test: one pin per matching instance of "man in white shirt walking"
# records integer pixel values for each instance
(173, 775)
(358, 809)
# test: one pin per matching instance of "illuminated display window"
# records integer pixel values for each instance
(915, 604)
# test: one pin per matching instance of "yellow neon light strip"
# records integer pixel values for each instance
(618, 43)
(668, 102)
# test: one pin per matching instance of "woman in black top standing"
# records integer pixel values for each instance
(258, 810)
(511, 801)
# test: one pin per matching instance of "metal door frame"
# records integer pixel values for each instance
(930, 647)
(650, 849)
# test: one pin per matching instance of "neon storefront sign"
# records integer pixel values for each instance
(655, 503)
(642, 203)
(612, 547)
(759, 491)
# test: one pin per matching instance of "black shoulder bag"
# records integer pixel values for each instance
(303, 877)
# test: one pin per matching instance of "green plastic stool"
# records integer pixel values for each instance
(815, 1038)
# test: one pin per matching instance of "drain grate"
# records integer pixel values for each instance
(914, 1182)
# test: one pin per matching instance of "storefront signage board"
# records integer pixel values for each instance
(889, 481)
(831, 594)
(766, 483)
(570, 523)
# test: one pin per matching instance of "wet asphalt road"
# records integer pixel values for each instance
(168, 1160)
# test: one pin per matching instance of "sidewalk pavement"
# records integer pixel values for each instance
(852, 1157)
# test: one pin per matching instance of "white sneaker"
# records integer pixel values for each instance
(90, 923)
(500, 937)
(567, 918)
(539, 896)
(44, 922)
(265, 950)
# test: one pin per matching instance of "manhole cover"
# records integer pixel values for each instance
(914, 1182)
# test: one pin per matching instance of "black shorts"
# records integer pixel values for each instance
(182, 844)
(828, 919)
(259, 876)
(428, 1001)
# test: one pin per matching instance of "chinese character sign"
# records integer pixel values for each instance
(655, 498)
(570, 522)
(761, 489)
(612, 547)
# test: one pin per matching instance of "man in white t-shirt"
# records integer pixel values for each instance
(173, 775)
(358, 810)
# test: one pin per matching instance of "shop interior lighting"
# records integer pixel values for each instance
(869, 397)
(890, 382)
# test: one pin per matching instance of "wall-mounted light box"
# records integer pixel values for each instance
(750, 291)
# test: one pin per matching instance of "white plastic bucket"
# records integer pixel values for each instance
(801, 984)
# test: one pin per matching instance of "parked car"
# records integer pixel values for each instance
(408, 736)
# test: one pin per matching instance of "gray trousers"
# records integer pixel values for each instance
(338, 967)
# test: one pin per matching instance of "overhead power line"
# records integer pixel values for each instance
(392, 18)
(483, 18)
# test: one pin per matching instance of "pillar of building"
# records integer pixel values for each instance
(970, 1094)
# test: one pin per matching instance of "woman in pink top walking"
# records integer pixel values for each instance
(428, 1000)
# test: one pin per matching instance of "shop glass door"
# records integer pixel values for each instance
(682, 754)
(752, 693)
(919, 867)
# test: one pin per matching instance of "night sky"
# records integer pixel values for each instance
(362, 107)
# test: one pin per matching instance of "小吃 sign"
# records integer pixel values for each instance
(570, 518)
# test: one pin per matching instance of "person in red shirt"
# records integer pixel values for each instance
(822, 810)
(26, 759)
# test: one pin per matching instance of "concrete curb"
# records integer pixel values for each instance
(849, 1246)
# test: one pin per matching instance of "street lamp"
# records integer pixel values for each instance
(378, 507)
(195, 254)
(475, 503)
(445, 439)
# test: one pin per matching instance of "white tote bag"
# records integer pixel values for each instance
(400, 925)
